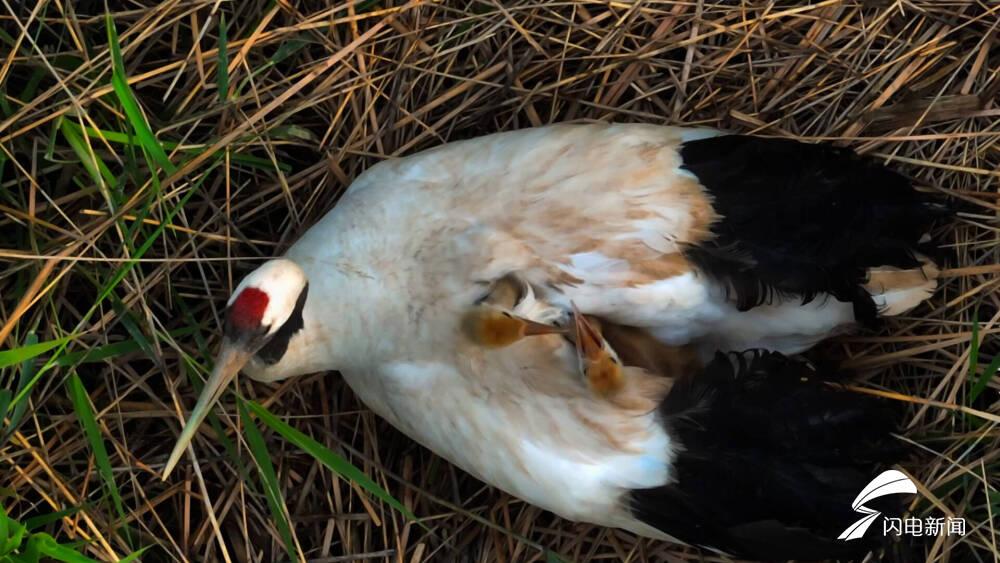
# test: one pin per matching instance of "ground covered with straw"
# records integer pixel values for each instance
(151, 153)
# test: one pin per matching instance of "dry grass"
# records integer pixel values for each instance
(316, 93)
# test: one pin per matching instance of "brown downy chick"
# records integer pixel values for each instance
(492, 324)
(637, 347)
(599, 364)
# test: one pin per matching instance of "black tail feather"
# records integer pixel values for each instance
(770, 459)
(803, 219)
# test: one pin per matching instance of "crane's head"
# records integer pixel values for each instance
(262, 315)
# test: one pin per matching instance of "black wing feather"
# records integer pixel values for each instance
(770, 459)
(803, 219)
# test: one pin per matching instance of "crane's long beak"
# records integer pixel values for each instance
(231, 358)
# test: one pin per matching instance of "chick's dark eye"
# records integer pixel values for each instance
(506, 314)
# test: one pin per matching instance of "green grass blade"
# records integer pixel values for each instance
(132, 327)
(135, 555)
(11, 533)
(25, 353)
(47, 545)
(27, 372)
(269, 479)
(99, 172)
(980, 384)
(31, 88)
(5, 532)
(98, 354)
(124, 139)
(285, 50)
(84, 413)
(15, 539)
(292, 133)
(222, 79)
(18, 535)
(5, 396)
(328, 458)
(973, 362)
(119, 82)
(30, 552)
(6, 111)
(36, 522)
(101, 353)
(7, 429)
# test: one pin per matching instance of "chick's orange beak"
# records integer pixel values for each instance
(588, 339)
(231, 359)
(532, 328)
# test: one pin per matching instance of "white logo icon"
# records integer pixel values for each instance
(890, 482)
